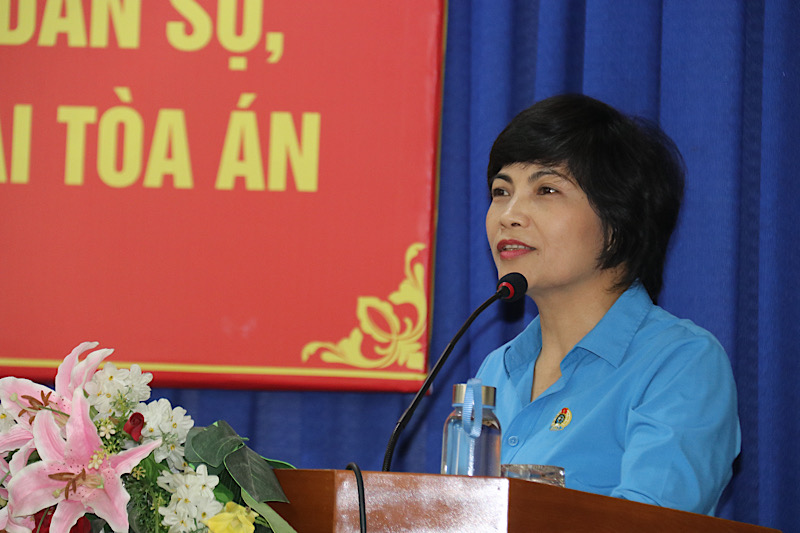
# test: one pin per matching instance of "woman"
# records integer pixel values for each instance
(630, 400)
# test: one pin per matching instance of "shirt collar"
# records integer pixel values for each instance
(609, 339)
(518, 350)
(612, 336)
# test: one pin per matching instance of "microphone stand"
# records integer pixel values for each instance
(403, 422)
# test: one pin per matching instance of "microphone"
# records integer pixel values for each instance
(511, 287)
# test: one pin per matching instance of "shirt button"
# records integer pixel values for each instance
(513, 441)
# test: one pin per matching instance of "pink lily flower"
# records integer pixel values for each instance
(24, 399)
(76, 475)
(11, 524)
(18, 438)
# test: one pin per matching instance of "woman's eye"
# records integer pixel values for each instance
(497, 191)
(545, 190)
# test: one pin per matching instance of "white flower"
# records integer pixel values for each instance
(175, 521)
(154, 415)
(192, 499)
(97, 459)
(169, 481)
(138, 383)
(173, 421)
(173, 453)
(116, 391)
(170, 425)
(209, 509)
(202, 482)
(106, 429)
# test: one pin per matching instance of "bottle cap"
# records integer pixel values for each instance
(487, 394)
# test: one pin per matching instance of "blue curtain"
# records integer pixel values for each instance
(723, 80)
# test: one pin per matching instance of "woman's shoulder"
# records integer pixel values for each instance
(670, 346)
(662, 328)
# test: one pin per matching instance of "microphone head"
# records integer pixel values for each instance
(512, 286)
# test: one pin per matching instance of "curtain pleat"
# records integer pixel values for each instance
(777, 463)
(744, 488)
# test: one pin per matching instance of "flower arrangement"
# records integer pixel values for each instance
(91, 454)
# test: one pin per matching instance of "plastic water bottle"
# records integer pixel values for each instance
(471, 441)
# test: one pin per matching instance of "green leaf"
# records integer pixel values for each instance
(152, 468)
(276, 521)
(212, 470)
(141, 519)
(98, 524)
(231, 487)
(188, 452)
(213, 444)
(254, 474)
(223, 494)
(136, 521)
(34, 457)
(274, 463)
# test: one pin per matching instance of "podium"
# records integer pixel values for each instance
(324, 501)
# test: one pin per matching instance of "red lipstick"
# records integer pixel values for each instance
(511, 249)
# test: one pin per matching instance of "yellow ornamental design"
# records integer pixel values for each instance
(391, 329)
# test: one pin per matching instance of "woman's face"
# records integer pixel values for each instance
(541, 225)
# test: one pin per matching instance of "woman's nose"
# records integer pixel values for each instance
(513, 215)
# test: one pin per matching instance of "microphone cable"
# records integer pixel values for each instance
(362, 503)
(511, 287)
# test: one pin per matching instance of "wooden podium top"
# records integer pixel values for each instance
(327, 501)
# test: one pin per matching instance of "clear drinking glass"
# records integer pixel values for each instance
(547, 474)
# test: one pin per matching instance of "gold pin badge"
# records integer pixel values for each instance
(562, 420)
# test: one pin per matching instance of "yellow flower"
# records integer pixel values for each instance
(234, 519)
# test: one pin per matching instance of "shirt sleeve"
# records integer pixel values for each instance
(683, 430)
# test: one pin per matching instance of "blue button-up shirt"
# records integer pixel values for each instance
(645, 408)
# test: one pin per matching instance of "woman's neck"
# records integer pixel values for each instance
(566, 317)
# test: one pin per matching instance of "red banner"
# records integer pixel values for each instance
(232, 193)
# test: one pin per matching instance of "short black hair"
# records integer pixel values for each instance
(630, 170)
